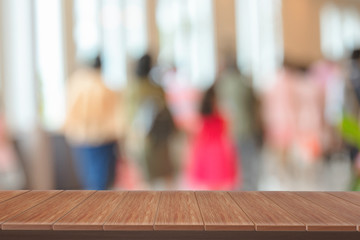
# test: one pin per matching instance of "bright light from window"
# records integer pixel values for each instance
(339, 31)
(351, 33)
(187, 38)
(124, 35)
(18, 72)
(259, 38)
(331, 31)
(117, 29)
(50, 59)
(136, 34)
(113, 49)
(87, 28)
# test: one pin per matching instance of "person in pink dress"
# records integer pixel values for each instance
(213, 155)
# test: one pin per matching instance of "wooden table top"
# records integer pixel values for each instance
(179, 211)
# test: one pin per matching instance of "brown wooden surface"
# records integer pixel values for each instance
(178, 211)
(136, 212)
(115, 211)
(266, 215)
(314, 217)
(353, 197)
(23, 202)
(220, 212)
(6, 195)
(43, 216)
(346, 210)
(92, 213)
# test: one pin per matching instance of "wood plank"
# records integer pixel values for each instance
(44, 215)
(178, 211)
(266, 215)
(6, 195)
(315, 218)
(92, 213)
(136, 212)
(353, 197)
(220, 212)
(342, 208)
(17, 205)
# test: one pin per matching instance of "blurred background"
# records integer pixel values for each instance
(180, 94)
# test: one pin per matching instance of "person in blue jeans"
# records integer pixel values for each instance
(92, 127)
(95, 165)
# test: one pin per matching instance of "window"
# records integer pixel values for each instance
(87, 28)
(124, 37)
(351, 34)
(187, 38)
(20, 106)
(50, 62)
(135, 27)
(117, 29)
(259, 38)
(339, 31)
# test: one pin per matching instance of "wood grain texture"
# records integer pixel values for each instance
(216, 212)
(92, 213)
(353, 197)
(314, 217)
(136, 212)
(178, 211)
(6, 195)
(17, 205)
(44, 215)
(266, 215)
(220, 212)
(342, 208)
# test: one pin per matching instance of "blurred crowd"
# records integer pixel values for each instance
(159, 133)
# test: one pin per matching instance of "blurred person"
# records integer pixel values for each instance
(350, 128)
(237, 101)
(150, 126)
(182, 98)
(309, 117)
(92, 127)
(331, 84)
(354, 83)
(213, 158)
(294, 114)
(351, 107)
(278, 113)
